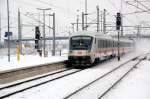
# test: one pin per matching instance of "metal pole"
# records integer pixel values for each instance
(104, 21)
(121, 25)
(118, 46)
(49, 30)
(77, 22)
(8, 17)
(101, 21)
(39, 20)
(44, 27)
(0, 27)
(53, 35)
(19, 31)
(72, 27)
(82, 21)
(44, 31)
(97, 18)
(138, 31)
(85, 14)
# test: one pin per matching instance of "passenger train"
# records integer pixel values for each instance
(87, 47)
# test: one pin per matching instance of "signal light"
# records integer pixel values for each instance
(118, 21)
(37, 37)
(37, 33)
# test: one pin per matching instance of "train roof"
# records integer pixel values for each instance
(86, 33)
(98, 35)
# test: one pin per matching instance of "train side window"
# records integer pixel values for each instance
(110, 43)
(107, 43)
(116, 43)
(95, 40)
(98, 43)
(104, 43)
(101, 43)
(120, 44)
(113, 44)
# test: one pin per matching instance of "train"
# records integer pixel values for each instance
(87, 47)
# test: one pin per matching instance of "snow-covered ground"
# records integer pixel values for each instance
(58, 89)
(135, 86)
(27, 61)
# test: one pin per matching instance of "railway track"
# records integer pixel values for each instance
(10, 90)
(16, 87)
(31, 79)
(80, 92)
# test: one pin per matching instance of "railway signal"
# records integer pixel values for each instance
(118, 21)
(37, 37)
(118, 25)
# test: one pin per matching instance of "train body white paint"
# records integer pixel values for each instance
(86, 47)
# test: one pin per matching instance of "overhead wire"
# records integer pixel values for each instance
(112, 4)
(142, 10)
(142, 5)
(58, 7)
(36, 20)
(27, 4)
(130, 21)
(122, 14)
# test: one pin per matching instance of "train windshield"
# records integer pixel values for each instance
(80, 43)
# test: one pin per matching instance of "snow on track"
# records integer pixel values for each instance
(135, 86)
(95, 90)
(62, 87)
(35, 82)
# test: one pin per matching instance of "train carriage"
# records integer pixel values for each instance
(86, 47)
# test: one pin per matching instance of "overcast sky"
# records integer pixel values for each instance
(66, 13)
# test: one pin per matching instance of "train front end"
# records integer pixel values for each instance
(80, 50)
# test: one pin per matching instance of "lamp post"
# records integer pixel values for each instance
(86, 14)
(77, 20)
(0, 27)
(8, 17)
(44, 26)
